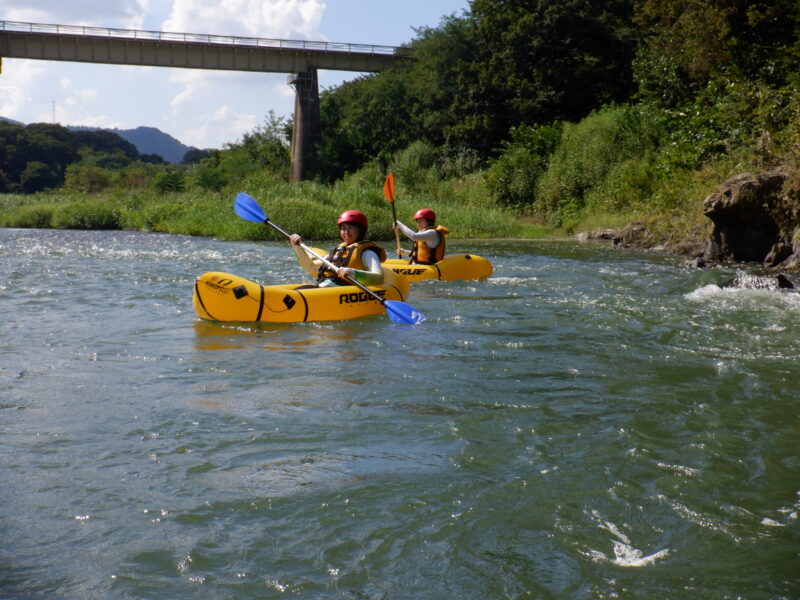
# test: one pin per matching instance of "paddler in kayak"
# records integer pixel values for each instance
(355, 257)
(429, 244)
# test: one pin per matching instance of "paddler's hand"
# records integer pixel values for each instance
(295, 239)
(344, 272)
(395, 225)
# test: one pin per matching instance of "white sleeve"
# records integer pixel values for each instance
(372, 261)
(429, 236)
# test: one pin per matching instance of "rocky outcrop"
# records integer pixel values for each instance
(753, 281)
(745, 228)
(636, 235)
(753, 219)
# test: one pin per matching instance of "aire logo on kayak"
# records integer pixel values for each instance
(354, 297)
(409, 271)
(220, 285)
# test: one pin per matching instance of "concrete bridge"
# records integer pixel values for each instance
(301, 59)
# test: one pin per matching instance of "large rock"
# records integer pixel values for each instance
(745, 226)
(635, 235)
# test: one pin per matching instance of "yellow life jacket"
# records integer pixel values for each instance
(422, 254)
(348, 257)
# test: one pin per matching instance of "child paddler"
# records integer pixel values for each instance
(428, 241)
(355, 257)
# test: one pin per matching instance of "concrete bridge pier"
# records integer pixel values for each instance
(306, 130)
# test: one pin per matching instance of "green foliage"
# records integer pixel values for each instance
(370, 118)
(586, 154)
(5, 185)
(268, 145)
(416, 164)
(475, 77)
(38, 176)
(264, 149)
(194, 156)
(539, 62)
(100, 141)
(135, 175)
(34, 216)
(458, 161)
(155, 159)
(512, 178)
(171, 179)
(87, 178)
(36, 157)
(86, 214)
(688, 44)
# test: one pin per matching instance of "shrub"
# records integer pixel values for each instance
(87, 178)
(415, 165)
(38, 216)
(512, 178)
(170, 179)
(86, 214)
(585, 155)
(457, 161)
(38, 176)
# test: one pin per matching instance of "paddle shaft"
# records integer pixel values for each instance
(326, 262)
(396, 231)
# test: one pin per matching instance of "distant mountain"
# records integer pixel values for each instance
(148, 140)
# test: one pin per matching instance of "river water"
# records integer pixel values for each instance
(586, 423)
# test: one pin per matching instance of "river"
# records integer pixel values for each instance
(586, 423)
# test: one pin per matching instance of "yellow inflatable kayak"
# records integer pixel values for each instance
(450, 268)
(224, 297)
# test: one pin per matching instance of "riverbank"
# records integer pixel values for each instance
(308, 208)
(749, 217)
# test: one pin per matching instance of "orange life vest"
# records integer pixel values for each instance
(349, 257)
(422, 254)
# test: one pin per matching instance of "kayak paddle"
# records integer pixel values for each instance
(399, 312)
(388, 191)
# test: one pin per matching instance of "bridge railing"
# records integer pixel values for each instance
(228, 40)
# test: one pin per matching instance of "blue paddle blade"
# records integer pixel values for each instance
(400, 312)
(248, 209)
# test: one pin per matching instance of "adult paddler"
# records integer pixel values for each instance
(355, 257)
(429, 242)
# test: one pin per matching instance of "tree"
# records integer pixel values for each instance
(543, 61)
(194, 156)
(103, 141)
(170, 179)
(38, 176)
(87, 178)
(268, 144)
(688, 43)
(153, 159)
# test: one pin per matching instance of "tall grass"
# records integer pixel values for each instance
(307, 208)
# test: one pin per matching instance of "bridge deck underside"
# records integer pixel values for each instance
(191, 55)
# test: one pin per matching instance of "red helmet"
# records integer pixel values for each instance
(353, 216)
(425, 213)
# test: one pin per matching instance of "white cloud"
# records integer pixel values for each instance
(16, 81)
(119, 13)
(86, 94)
(251, 18)
(226, 122)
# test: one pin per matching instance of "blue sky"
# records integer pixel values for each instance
(201, 108)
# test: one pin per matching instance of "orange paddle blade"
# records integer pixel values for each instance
(388, 188)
